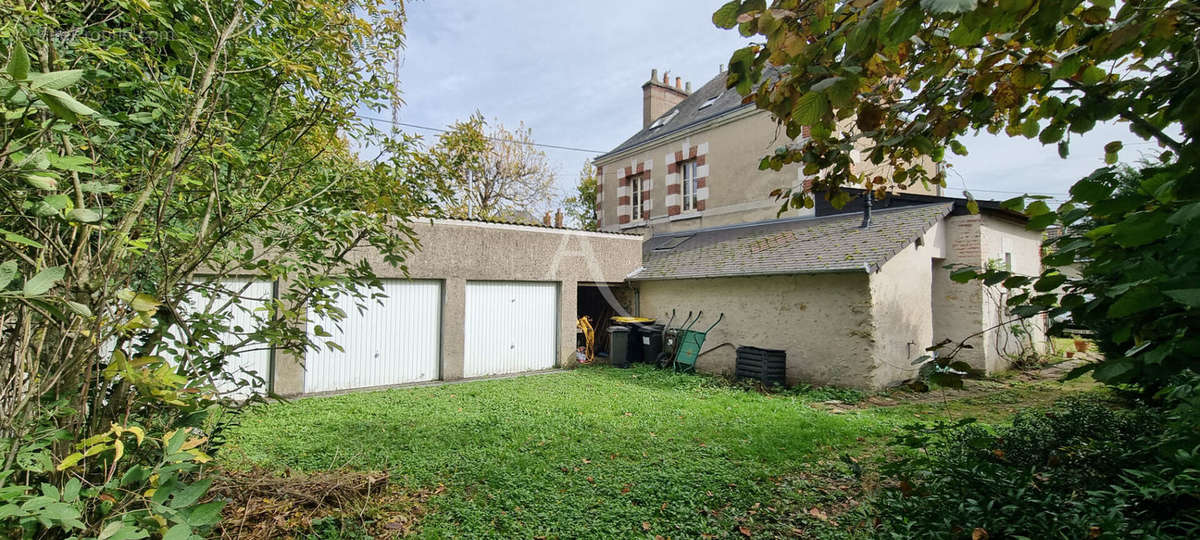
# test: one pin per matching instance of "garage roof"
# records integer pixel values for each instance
(810, 245)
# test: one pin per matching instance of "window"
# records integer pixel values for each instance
(664, 119)
(710, 101)
(669, 243)
(635, 198)
(687, 178)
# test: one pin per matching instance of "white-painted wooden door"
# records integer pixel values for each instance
(395, 342)
(511, 327)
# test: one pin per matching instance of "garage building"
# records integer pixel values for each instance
(480, 299)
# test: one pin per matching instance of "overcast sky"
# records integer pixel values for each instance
(572, 71)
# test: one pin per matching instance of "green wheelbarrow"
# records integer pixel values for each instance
(690, 341)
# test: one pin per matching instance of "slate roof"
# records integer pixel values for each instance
(690, 112)
(809, 245)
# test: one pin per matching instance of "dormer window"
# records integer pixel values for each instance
(662, 120)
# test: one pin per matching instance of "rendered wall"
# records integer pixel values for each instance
(456, 252)
(1003, 240)
(902, 308)
(737, 191)
(823, 321)
(958, 307)
(963, 309)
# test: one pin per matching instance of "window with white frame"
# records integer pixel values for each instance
(635, 197)
(687, 178)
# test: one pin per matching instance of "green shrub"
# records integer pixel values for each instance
(1077, 469)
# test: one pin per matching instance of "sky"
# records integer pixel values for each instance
(572, 70)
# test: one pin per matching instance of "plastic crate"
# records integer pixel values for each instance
(768, 366)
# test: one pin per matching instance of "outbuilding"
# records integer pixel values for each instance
(479, 299)
(853, 300)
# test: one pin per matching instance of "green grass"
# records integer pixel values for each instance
(595, 452)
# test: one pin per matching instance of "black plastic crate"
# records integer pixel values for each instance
(768, 366)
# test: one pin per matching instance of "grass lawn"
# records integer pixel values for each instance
(599, 452)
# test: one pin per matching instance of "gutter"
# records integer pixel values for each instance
(865, 269)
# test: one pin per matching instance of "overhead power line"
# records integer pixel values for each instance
(590, 151)
(443, 130)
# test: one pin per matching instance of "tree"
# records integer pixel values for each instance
(581, 207)
(1135, 242)
(905, 78)
(150, 151)
(490, 173)
(911, 77)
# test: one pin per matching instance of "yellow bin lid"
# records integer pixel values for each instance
(627, 320)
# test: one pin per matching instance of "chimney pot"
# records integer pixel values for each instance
(720, 68)
(546, 219)
(678, 84)
(666, 78)
(558, 216)
(687, 87)
(654, 74)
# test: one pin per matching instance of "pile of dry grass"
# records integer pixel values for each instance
(266, 504)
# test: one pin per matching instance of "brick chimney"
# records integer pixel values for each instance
(658, 96)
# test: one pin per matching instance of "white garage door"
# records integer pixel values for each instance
(393, 343)
(248, 367)
(510, 327)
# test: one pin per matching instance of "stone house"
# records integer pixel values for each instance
(853, 300)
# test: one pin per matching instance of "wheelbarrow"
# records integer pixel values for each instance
(690, 342)
(670, 342)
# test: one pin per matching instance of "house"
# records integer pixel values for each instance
(853, 298)
(694, 163)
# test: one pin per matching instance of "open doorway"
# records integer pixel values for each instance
(599, 302)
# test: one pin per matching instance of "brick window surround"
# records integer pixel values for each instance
(686, 156)
(641, 170)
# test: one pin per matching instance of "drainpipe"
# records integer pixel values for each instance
(867, 208)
